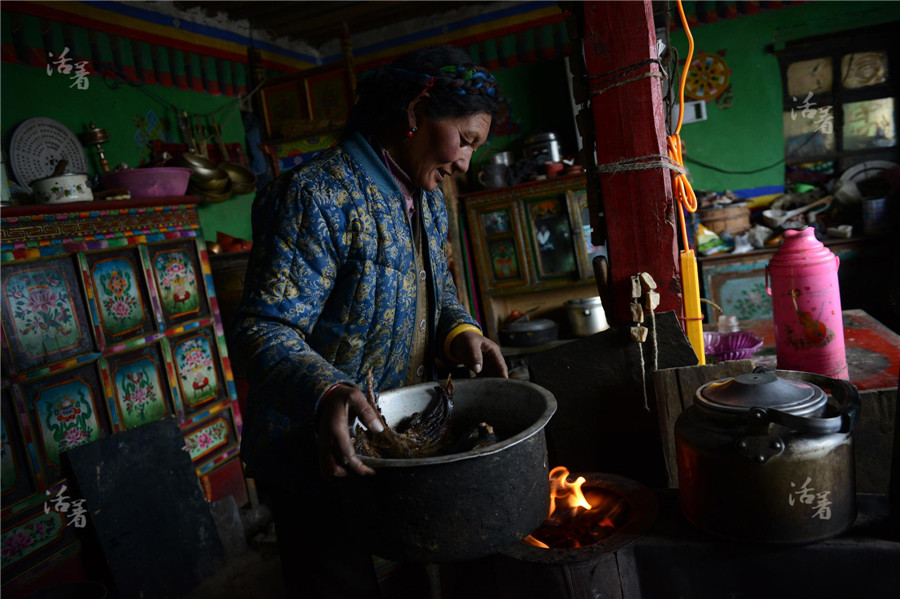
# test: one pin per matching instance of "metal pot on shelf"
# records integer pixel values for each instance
(526, 332)
(586, 316)
(768, 457)
(543, 147)
(62, 187)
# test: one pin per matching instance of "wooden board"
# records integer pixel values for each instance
(873, 440)
(147, 510)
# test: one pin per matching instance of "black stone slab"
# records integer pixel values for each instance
(147, 510)
(601, 424)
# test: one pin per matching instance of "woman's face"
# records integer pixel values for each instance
(441, 147)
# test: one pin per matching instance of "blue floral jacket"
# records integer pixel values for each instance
(330, 293)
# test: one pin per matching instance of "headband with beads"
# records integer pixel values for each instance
(458, 76)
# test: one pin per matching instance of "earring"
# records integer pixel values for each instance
(411, 132)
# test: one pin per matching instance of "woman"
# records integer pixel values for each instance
(348, 274)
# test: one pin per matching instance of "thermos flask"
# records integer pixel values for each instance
(802, 278)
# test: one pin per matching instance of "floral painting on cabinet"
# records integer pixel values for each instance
(139, 384)
(43, 318)
(122, 300)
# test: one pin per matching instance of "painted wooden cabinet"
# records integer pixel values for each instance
(530, 243)
(109, 321)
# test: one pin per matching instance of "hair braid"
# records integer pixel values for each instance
(455, 87)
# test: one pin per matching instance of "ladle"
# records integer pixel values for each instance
(775, 218)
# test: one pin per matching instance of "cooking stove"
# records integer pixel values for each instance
(673, 559)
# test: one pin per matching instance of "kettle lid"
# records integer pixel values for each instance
(734, 395)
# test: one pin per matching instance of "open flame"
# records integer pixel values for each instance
(573, 521)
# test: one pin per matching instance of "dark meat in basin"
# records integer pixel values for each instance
(428, 433)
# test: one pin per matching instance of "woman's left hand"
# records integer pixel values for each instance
(480, 355)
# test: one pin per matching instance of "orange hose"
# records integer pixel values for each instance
(684, 193)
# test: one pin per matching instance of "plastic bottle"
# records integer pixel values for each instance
(727, 323)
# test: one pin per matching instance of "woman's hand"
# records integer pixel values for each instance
(480, 355)
(338, 408)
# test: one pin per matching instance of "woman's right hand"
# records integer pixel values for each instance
(337, 410)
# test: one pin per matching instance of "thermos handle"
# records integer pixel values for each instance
(843, 422)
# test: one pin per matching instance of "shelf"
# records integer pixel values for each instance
(96, 206)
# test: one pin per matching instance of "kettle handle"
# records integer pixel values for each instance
(842, 422)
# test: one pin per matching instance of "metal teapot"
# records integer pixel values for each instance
(766, 457)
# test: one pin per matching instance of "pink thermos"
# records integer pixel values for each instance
(802, 278)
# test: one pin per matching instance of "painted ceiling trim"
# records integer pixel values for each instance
(468, 30)
(133, 23)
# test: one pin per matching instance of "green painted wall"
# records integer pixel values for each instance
(27, 92)
(748, 134)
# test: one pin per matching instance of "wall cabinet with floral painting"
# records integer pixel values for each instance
(530, 246)
(109, 321)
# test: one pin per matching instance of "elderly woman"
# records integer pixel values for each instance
(349, 275)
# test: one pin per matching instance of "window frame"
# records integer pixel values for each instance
(835, 46)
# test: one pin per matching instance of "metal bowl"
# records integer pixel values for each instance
(217, 184)
(211, 197)
(242, 178)
(202, 168)
(461, 506)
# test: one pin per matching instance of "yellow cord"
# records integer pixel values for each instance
(682, 189)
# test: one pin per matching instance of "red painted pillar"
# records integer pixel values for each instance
(629, 123)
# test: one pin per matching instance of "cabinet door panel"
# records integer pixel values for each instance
(66, 410)
(179, 281)
(124, 310)
(17, 475)
(44, 320)
(138, 387)
(502, 258)
(197, 369)
(550, 232)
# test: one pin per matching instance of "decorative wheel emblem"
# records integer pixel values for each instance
(707, 77)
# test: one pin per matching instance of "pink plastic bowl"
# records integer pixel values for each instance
(159, 182)
(738, 345)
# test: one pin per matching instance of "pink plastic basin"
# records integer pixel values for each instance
(738, 345)
(156, 182)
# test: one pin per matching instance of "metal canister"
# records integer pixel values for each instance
(802, 279)
(587, 316)
(542, 147)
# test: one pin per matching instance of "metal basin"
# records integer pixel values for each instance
(242, 178)
(462, 506)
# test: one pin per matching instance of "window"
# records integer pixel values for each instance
(840, 100)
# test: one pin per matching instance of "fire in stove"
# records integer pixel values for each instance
(579, 515)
